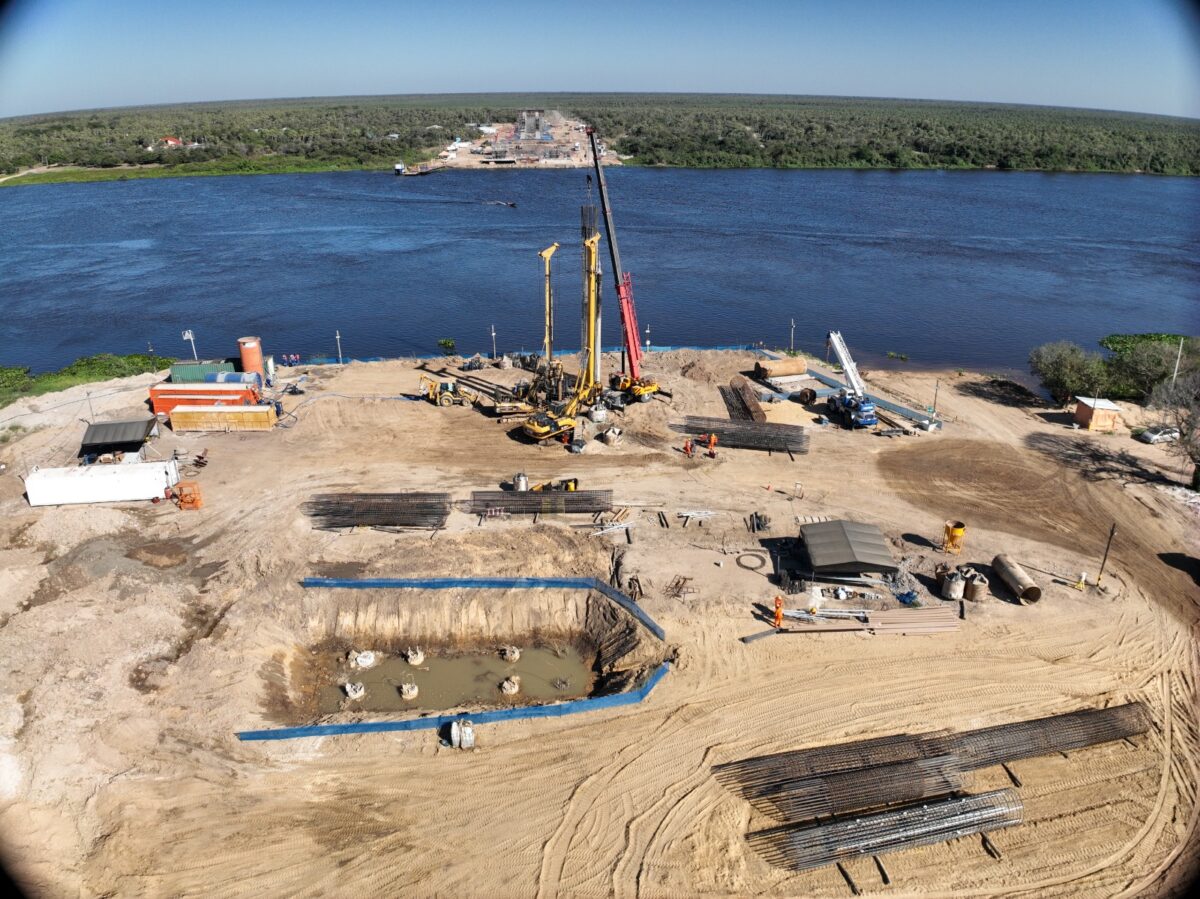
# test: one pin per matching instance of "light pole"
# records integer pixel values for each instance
(792, 340)
(337, 335)
(647, 338)
(493, 341)
(191, 338)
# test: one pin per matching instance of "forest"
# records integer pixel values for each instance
(696, 130)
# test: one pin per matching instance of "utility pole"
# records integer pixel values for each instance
(792, 340)
(1112, 533)
(936, 385)
(493, 341)
(191, 338)
(337, 335)
(1178, 356)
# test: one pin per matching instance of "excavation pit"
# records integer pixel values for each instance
(576, 639)
(452, 679)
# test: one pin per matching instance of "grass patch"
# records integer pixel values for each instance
(17, 382)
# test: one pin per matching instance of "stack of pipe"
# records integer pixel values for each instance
(746, 434)
(803, 847)
(532, 502)
(409, 510)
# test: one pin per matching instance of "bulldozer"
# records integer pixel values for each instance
(447, 393)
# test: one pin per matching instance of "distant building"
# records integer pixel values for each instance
(170, 141)
(1097, 414)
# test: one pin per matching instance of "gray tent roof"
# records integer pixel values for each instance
(106, 433)
(846, 547)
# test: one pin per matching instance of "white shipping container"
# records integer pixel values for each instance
(100, 483)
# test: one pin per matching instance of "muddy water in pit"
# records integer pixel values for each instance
(448, 682)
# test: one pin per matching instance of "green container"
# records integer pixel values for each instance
(194, 372)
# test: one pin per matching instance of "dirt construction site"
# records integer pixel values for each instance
(139, 640)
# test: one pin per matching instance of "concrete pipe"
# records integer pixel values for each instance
(779, 368)
(1017, 580)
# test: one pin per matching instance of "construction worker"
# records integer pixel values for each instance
(778, 612)
(687, 447)
(712, 446)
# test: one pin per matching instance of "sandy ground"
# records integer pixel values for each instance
(137, 639)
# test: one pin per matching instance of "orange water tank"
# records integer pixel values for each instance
(252, 355)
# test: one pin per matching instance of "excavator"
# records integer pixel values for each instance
(447, 393)
(559, 419)
(629, 380)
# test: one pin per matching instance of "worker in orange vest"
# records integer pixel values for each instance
(712, 446)
(687, 447)
(778, 612)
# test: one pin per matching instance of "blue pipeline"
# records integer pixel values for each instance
(574, 707)
(921, 418)
(493, 583)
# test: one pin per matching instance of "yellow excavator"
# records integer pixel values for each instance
(555, 421)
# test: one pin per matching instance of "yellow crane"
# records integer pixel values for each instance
(553, 422)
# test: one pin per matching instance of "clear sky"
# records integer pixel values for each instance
(1139, 55)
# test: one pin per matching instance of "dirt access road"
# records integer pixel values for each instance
(138, 639)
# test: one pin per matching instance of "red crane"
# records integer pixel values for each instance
(630, 379)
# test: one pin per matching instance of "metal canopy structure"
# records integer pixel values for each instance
(846, 547)
(107, 436)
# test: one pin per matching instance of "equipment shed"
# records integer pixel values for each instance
(846, 547)
(117, 436)
(1096, 414)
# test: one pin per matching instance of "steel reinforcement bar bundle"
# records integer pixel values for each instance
(807, 846)
(530, 502)
(746, 434)
(410, 510)
(789, 798)
(760, 776)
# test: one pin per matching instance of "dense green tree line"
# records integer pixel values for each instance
(788, 132)
(721, 131)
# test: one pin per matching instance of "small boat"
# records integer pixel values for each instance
(424, 168)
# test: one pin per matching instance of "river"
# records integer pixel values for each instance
(948, 268)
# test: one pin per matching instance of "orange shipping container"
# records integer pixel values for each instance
(163, 403)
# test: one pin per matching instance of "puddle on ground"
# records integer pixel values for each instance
(446, 682)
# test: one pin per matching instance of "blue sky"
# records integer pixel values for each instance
(1141, 55)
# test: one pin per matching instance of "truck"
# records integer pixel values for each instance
(850, 405)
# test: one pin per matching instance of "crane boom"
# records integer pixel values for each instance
(624, 282)
(847, 362)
